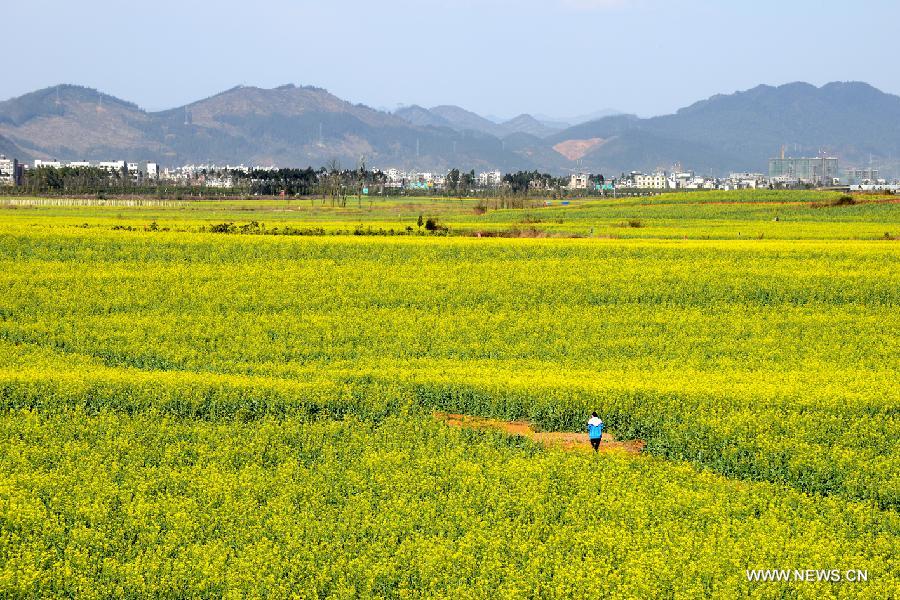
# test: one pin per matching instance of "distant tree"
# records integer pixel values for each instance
(453, 181)
(334, 180)
(361, 176)
(467, 181)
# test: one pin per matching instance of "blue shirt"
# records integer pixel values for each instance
(595, 428)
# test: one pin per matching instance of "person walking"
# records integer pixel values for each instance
(595, 431)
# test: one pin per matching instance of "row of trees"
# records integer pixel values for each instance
(74, 180)
(327, 183)
(523, 182)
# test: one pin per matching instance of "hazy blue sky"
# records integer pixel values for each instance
(558, 57)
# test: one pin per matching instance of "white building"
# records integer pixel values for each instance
(10, 171)
(701, 183)
(53, 164)
(863, 177)
(656, 181)
(538, 185)
(219, 181)
(112, 165)
(578, 181)
(746, 181)
(135, 173)
(490, 179)
(679, 180)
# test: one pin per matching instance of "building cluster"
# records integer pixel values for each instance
(208, 175)
(825, 171)
(139, 173)
(413, 180)
(669, 180)
(784, 172)
(402, 180)
(820, 171)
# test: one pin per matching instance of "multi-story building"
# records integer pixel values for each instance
(656, 181)
(490, 179)
(817, 171)
(679, 179)
(113, 165)
(578, 181)
(745, 181)
(135, 173)
(538, 185)
(53, 164)
(10, 171)
(862, 176)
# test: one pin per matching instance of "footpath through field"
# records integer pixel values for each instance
(564, 440)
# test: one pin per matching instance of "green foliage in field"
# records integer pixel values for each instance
(699, 215)
(135, 506)
(220, 387)
(772, 361)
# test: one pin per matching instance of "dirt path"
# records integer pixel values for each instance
(575, 442)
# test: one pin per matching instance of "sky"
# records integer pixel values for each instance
(559, 58)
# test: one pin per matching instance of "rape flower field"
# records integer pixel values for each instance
(189, 410)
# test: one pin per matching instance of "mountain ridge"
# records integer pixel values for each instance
(306, 125)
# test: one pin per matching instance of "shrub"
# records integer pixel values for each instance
(432, 224)
(844, 200)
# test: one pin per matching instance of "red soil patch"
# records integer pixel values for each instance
(552, 439)
(575, 149)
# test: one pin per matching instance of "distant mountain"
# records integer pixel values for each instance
(422, 117)
(300, 126)
(465, 120)
(535, 151)
(461, 119)
(560, 123)
(564, 122)
(850, 120)
(288, 126)
(530, 125)
(75, 122)
(9, 149)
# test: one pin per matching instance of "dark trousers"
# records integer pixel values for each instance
(595, 444)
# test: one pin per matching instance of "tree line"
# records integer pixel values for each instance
(331, 183)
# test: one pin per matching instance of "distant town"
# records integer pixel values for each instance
(87, 176)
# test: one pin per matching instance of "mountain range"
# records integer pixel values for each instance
(460, 119)
(300, 126)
